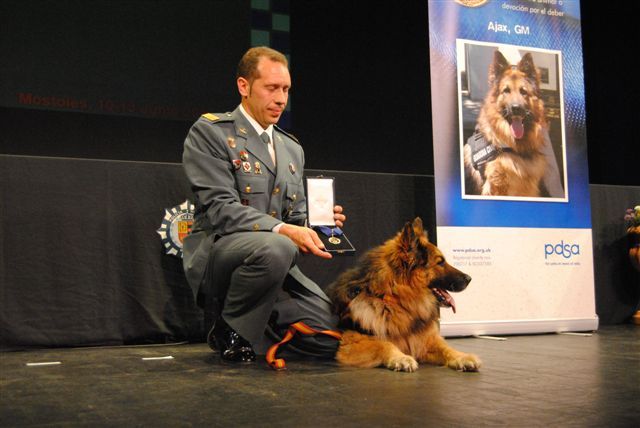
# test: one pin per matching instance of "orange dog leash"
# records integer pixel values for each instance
(302, 328)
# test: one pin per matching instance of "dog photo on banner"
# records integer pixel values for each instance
(511, 127)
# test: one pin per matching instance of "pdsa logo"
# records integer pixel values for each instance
(561, 249)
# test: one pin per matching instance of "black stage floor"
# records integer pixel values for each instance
(526, 381)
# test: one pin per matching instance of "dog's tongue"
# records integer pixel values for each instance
(444, 298)
(517, 128)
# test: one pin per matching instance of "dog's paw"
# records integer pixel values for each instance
(402, 363)
(465, 363)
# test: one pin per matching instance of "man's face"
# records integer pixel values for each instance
(266, 96)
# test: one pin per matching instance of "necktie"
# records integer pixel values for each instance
(267, 140)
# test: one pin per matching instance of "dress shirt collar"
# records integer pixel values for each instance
(256, 125)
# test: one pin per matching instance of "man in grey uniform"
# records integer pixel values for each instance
(249, 225)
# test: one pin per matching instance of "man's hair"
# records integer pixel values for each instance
(248, 65)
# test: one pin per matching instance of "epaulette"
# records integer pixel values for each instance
(217, 117)
(293, 137)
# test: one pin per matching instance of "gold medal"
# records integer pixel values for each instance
(335, 240)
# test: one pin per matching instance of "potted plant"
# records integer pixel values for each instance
(632, 218)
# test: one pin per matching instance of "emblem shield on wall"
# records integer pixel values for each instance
(176, 224)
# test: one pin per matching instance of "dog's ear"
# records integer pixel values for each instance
(408, 235)
(499, 65)
(409, 238)
(412, 251)
(418, 228)
(417, 225)
(529, 69)
(411, 232)
(526, 65)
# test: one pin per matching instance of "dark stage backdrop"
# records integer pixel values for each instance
(360, 100)
(163, 59)
(115, 79)
(82, 263)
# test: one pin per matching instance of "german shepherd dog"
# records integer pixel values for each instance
(388, 305)
(511, 124)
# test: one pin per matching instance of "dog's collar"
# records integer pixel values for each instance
(348, 324)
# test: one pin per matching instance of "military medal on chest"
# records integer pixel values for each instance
(244, 160)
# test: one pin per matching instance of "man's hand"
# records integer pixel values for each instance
(306, 239)
(338, 216)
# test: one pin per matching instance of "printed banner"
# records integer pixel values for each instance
(512, 189)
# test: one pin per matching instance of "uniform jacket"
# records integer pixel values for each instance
(238, 188)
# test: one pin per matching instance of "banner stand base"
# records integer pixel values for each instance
(517, 327)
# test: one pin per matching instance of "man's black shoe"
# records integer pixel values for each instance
(210, 321)
(211, 338)
(231, 345)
